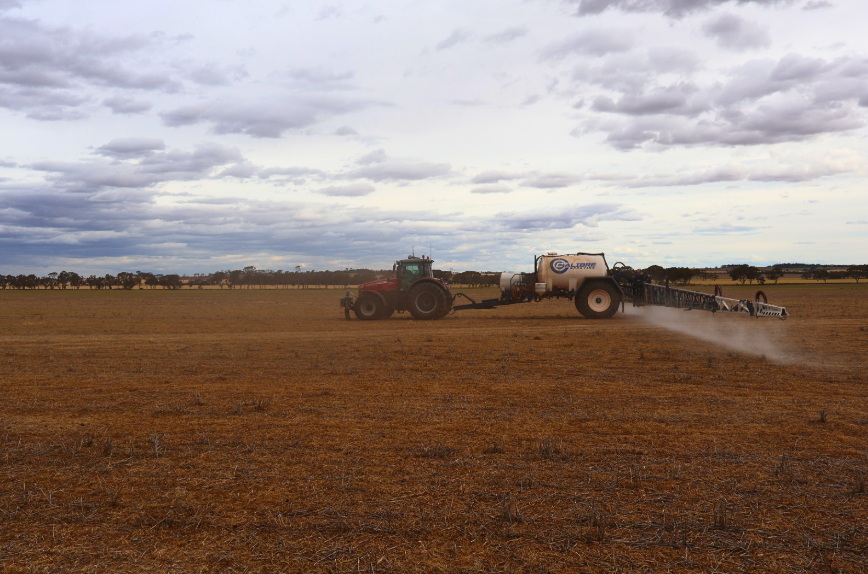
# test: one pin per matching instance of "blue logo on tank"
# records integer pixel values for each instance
(561, 265)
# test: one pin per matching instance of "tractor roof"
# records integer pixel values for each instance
(414, 259)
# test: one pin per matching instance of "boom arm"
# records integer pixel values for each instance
(641, 292)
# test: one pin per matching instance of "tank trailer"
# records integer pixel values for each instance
(584, 278)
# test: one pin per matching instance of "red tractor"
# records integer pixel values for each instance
(413, 288)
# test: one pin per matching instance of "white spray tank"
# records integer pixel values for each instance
(568, 271)
(557, 272)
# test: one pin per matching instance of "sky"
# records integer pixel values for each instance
(205, 135)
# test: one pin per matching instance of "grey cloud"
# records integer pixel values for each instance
(46, 105)
(492, 188)
(669, 99)
(321, 79)
(595, 42)
(531, 100)
(636, 73)
(817, 4)
(241, 170)
(44, 71)
(294, 172)
(213, 74)
(4, 163)
(725, 228)
(35, 55)
(671, 8)
(468, 103)
(790, 173)
(132, 147)
(566, 218)
(507, 35)
(345, 131)
(263, 120)
(145, 230)
(9, 5)
(400, 170)
(764, 101)
(731, 31)
(351, 190)
(106, 225)
(376, 156)
(126, 105)
(860, 222)
(152, 168)
(673, 58)
(329, 11)
(456, 37)
(495, 176)
(551, 181)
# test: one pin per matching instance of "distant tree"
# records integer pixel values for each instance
(739, 273)
(742, 273)
(171, 281)
(821, 275)
(656, 273)
(219, 278)
(680, 275)
(63, 279)
(857, 272)
(774, 274)
(128, 280)
(249, 275)
(707, 275)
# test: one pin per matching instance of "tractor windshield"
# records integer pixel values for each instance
(410, 271)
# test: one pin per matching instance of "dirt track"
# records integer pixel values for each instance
(259, 431)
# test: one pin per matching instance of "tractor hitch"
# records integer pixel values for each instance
(484, 304)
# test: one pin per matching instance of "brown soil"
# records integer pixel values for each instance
(256, 430)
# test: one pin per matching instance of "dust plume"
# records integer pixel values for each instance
(755, 336)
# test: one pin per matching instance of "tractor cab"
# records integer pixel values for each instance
(409, 270)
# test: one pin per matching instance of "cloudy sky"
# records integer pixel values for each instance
(203, 135)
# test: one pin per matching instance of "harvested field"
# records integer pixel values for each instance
(257, 431)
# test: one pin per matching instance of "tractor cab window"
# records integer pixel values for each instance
(411, 271)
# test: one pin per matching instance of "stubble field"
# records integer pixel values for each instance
(257, 431)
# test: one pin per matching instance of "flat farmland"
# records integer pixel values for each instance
(258, 431)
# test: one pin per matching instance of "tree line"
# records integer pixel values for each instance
(247, 278)
(252, 278)
(749, 273)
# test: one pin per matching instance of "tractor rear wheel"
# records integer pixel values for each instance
(598, 300)
(369, 307)
(427, 301)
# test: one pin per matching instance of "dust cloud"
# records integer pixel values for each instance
(740, 333)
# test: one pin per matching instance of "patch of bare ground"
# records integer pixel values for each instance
(257, 431)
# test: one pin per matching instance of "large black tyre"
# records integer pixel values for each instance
(369, 307)
(446, 308)
(598, 300)
(427, 301)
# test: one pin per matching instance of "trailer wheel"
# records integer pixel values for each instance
(369, 307)
(598, 300)
(427, 301)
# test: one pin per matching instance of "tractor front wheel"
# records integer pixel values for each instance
(598, 300)
(427, 301)
(369, 307)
